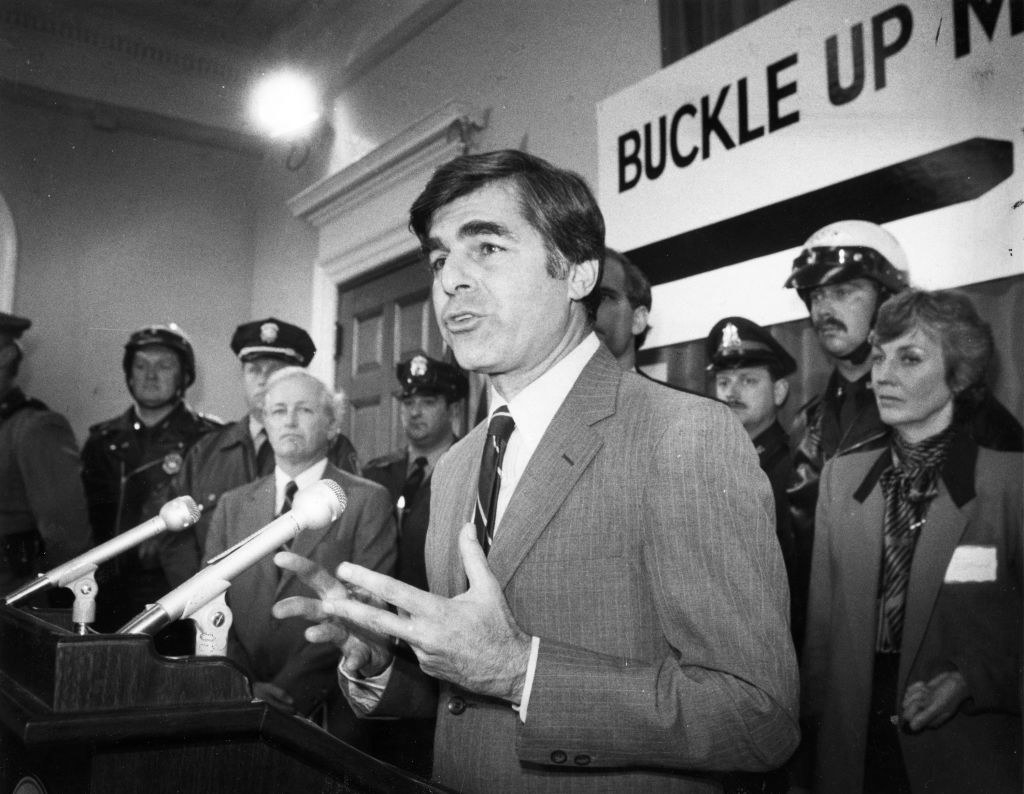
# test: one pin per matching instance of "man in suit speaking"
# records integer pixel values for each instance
(608, 605)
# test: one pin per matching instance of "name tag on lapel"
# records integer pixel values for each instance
(972, 564)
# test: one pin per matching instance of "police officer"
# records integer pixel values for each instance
(128, 463)
(43, 519)
(429, 392)
(239, 453)
(750, 370)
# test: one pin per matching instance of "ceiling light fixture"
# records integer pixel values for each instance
(286, 105)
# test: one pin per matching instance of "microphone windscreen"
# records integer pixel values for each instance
(317, 505)
(180, 513)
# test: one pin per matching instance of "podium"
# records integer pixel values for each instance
(106, 713)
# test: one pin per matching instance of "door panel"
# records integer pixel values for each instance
(382, 320)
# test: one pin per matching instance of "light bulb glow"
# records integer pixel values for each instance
(286, 105)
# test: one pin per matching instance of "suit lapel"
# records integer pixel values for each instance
(453, 506)
(257, 512)
(944, 525)
(862, 551)
(564, 453)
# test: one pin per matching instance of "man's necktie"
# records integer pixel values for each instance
(289, 493)
(412, 484)
(264, 454)
(498, 431)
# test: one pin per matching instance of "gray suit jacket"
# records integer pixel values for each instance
(275, 650)
(639, 546)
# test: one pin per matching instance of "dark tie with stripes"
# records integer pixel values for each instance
(289, 493)
(498, 431)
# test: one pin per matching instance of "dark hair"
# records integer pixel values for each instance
(556, 202)
(951, 317)
(637, 287)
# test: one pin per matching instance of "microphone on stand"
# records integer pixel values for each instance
(315, 507)
(176, 515)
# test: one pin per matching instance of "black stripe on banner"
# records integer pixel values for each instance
(948, 176)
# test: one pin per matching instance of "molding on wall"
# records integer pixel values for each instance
(361, 212)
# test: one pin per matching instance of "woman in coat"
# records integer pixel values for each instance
(912, 664)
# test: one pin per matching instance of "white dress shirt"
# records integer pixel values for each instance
(311, 475)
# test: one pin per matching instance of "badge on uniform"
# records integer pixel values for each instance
(418, 366)
(730, 338)
(268, 333)
(172, 462)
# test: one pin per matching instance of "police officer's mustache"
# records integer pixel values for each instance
(829, 324)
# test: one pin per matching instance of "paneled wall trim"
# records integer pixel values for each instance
(361, 212)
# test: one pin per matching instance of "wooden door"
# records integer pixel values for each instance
(382, 320)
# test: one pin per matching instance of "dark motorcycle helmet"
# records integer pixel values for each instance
(170, 336)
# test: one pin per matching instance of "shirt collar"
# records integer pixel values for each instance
(307, 477)
(536, 405)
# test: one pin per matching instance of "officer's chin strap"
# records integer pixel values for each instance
(858, 355)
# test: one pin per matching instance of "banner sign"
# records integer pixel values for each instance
(715, 170)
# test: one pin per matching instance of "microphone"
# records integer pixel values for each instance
(176, 515)
(314, 507)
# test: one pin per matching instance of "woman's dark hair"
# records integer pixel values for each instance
(556, 202)
(950, 317)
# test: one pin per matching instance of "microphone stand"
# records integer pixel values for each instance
(83, 612)
(212, 623)
(84, 587)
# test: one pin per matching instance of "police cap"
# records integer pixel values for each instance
(738, 342)
(274, 338)
(424, 375)
(13, 326)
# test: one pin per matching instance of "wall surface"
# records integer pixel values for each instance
(117, 230)
(538, 67)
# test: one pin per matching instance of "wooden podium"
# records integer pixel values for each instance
(106, 713)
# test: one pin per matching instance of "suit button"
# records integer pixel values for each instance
(558, 757)
(582, 760)
(456, 705)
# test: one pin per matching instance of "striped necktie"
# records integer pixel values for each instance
(289, 494)
(498, 432)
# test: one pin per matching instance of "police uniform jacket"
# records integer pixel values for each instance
(127, 467)
(40, 480)
(390, 471)
(773, 453)
(220, 461)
